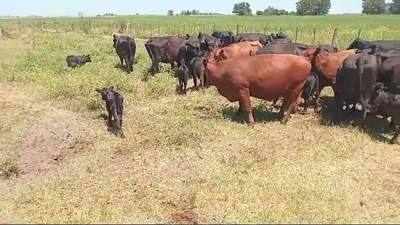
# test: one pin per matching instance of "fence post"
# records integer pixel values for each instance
(166, 28)
(158, 30)
(335, 33)
(315, 33)
(359, 32)
(127, 28)
(214, 27)
(383, 36)
(237, 29)
(295, 37)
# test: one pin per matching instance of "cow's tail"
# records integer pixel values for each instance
(148, 49)
(132, 49)
(360, 71)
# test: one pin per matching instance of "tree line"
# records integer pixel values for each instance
(305, 7)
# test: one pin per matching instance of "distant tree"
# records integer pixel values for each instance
(272, 11)
(373, 7)
(170, 12)
(313, 7)
(394, 7)
(242, 9)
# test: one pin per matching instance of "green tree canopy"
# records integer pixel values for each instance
(373, 7)
(313, 7)
(242, 9)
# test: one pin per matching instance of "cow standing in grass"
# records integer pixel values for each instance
(125, 47)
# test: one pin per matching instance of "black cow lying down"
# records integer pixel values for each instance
(75, 60)
(125, 47)
(386, 104)
(115, 106)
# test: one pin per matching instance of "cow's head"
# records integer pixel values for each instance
(115, 40)
(104, 91)
(193, 46)
(88, 59)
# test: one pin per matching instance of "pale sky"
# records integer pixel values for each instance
(129, 7)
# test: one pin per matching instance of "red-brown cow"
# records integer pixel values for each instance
(267, 77)
(237, 49)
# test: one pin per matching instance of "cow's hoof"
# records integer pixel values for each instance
(250, 124)
(393, 141)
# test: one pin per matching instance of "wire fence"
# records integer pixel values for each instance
(304, 34)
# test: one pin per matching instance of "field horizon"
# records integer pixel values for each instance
(185, 159)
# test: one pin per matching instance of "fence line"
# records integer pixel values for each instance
(304, 35)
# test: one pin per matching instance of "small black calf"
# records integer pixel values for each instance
(182, 73)
(115, 106)
(75, 60)
(386, 104)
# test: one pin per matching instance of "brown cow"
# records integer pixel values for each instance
(237, 49)
(267, 77)
(327, 63)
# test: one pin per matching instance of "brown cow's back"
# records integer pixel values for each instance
(239, 49)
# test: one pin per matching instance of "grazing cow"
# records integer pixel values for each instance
(226, 37)
(293, 48)
(197, 68)
(237, 49)
(208, 42)
(386, 104)
(355, 81)
(125, 47)
(379, 45)
(163, 49)
(262, 38)
(266, 77)
(115, 106)
(75, 60)
(389, 74)
(182, 73)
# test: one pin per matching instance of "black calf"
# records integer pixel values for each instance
(115, 106)
(75, 60)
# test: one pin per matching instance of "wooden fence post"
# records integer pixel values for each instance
(214, 27)
(335, 33)
(237, 29)
(315, 33)
(127, 28)
(295, 37)
(359, 32)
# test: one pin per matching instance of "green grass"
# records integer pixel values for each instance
(185, 158)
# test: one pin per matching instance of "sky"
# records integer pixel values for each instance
(129, 7)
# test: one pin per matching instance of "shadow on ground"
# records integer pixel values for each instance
(332, 116)
(261, 113)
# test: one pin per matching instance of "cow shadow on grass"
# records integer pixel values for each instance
(261, 113)
(112, 128)
(332, 116)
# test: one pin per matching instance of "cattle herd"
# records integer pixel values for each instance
(269, 67)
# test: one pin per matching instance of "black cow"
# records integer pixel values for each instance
(182, 73)
(115, 106)
(125, 47)
(388, 105)
(188, 50)
(75, 60)
(280, 38)
(389, 74)
(377, 46)
(355, 80)
(293, 48)
(163, 49)
(226, 37)
(311, 91)
(262, 38)
(208, 42)
(197, 68)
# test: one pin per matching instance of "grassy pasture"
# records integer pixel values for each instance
(185, 159)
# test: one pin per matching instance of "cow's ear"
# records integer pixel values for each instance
(98, 90)
(114, 36)
(111, 87)
(205, 62)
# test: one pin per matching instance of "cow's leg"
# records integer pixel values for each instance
(244, 97)
(118, 122)
(365, 110)
(172, 66)
(292, 102)
(240, 109)
(109, 118)
(275, 101)
(195, 82)
(396, 134)
(122, 60)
